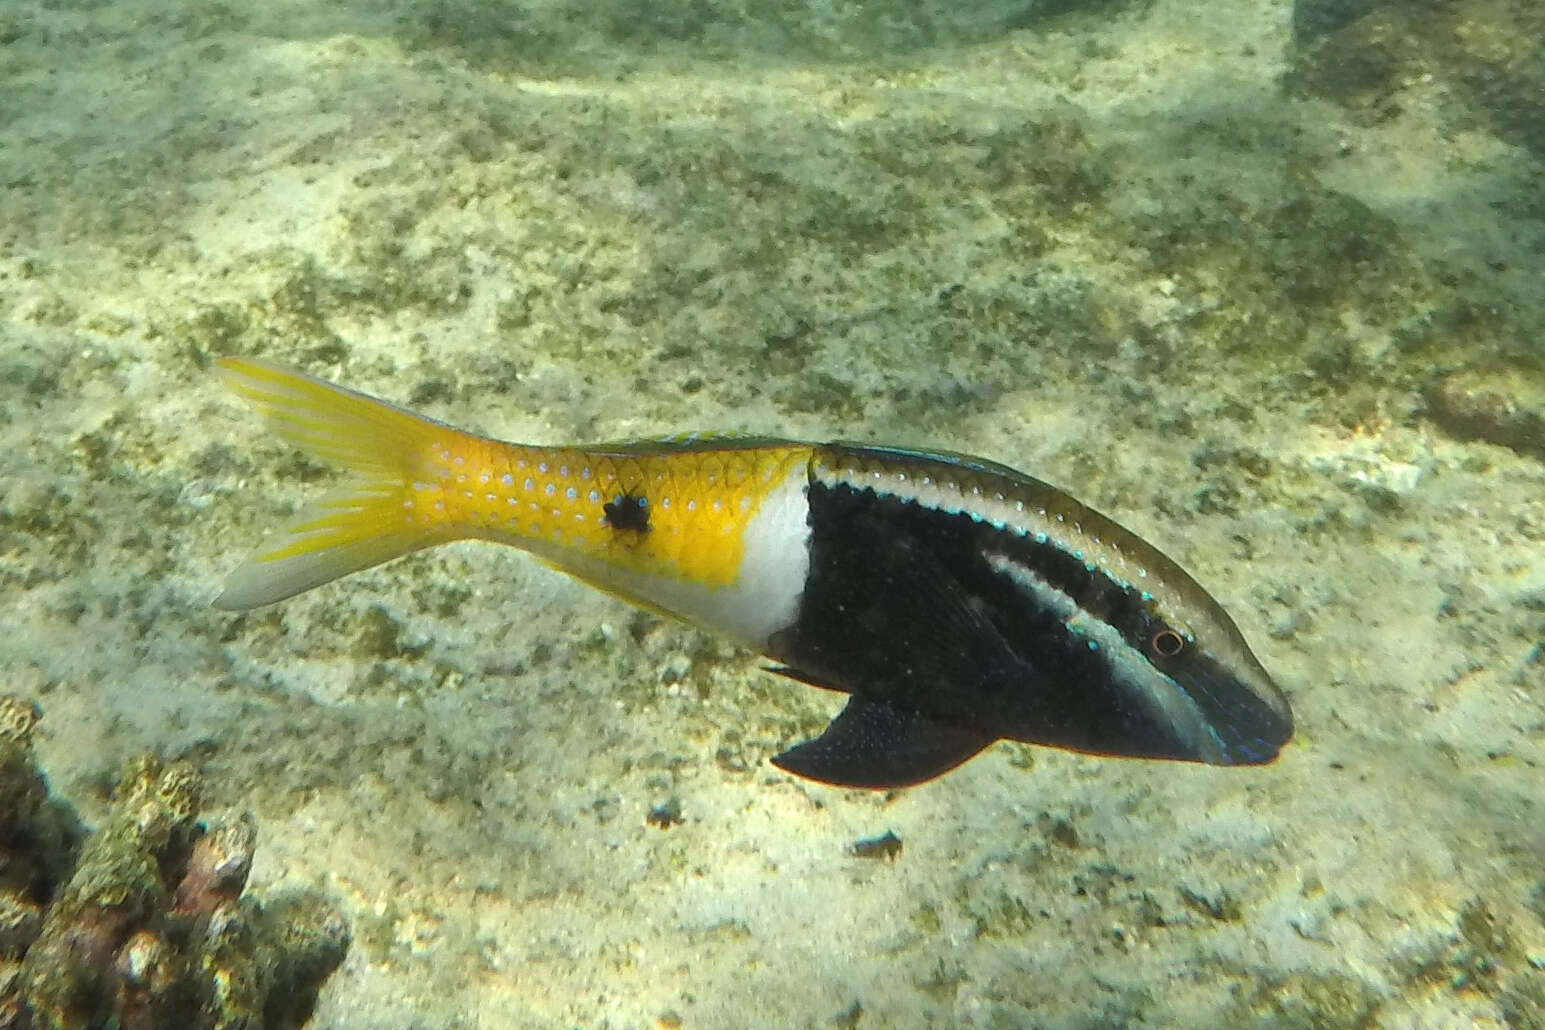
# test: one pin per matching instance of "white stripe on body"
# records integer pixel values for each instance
(1165, 699)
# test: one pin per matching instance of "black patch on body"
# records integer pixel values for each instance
(944, 653)
(629, 512)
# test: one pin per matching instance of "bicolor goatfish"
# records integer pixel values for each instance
(956, 601)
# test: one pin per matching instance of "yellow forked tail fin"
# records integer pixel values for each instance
(365, 521)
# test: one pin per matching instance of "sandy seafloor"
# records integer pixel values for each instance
(1237, 294)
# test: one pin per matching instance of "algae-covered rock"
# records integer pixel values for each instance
(37, 848)
(145, 925)
(1362, 53)
(1502, 406)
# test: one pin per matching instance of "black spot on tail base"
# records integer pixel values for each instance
(628, 512)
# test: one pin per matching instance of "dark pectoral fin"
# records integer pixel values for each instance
(875, 745)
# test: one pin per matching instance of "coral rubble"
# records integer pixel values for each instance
(144, 924)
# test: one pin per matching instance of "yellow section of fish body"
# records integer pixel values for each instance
(666, 525)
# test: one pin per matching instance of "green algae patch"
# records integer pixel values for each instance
(1307, 1002)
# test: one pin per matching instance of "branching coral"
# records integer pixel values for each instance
(144, 924)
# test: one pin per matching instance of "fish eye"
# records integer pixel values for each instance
(1166, 643)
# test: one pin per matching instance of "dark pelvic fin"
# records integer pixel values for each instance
(875, 745)
(800, 676)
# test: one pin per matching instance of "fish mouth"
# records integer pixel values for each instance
(1247, 716)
